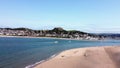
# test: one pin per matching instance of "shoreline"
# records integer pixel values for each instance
(51, 38)
(36, 37)
(54, 55)
(51, 57)
(69, 54)
(42, 61)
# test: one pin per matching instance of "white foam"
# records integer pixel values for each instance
(33, 65)
(69, 41)
(56, 42)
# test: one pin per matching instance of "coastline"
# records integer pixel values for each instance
(74, 55)
(50, 38)
(42, 61)
(36, 37)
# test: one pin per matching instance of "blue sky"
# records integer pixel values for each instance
(95, 16)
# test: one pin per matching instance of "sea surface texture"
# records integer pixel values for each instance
(21, 52)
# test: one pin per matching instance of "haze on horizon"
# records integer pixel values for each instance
(94, 16)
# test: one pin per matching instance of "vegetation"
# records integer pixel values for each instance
(56, 32)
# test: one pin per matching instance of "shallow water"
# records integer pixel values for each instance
(20, 52)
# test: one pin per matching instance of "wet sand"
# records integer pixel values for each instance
(91, 57)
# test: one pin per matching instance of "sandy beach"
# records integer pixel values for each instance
(91, 57)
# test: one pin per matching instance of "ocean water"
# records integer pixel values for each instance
(21, 52)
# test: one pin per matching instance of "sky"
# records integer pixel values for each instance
(94, 16)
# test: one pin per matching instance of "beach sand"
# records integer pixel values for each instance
(91, 57)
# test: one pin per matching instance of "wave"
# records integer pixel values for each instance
(33, 65)
(37, 63)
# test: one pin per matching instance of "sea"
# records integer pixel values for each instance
(16, 52)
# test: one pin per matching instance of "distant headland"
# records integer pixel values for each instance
(57, 32)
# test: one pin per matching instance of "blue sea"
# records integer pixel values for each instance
(21, 52)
